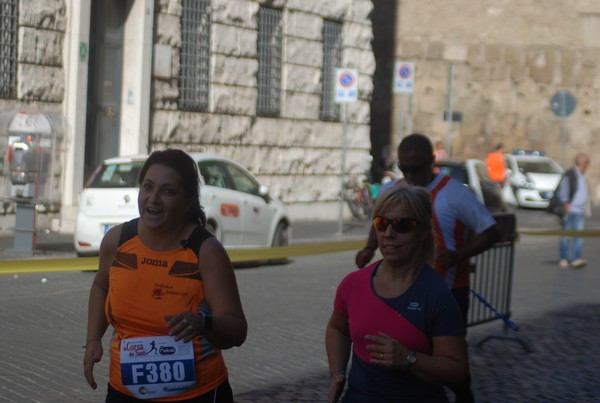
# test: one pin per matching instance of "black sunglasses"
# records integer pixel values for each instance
(413, 169)
(400, 225)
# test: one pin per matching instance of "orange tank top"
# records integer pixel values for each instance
(496, 166)
(145, 285)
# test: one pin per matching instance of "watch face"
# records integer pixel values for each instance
(206, 321)
(411, 357)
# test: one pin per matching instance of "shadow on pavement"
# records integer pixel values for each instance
(555, 371)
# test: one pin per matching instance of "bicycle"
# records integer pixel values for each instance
(359, 198)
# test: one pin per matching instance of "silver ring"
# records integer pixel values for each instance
(184, 320)
(190, 327)
(381, 356)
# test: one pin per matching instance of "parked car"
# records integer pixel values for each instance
(530, 179)
(473, 173)
(240, 211)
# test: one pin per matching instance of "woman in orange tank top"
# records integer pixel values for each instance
(168, 289)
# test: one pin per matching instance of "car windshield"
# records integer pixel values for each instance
(116, 175)
(458, 172)
(541, 167)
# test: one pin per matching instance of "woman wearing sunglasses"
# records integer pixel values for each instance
(397, 315)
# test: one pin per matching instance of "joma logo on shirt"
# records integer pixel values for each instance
(155, 262)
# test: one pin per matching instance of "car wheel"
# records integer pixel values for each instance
(281, 238)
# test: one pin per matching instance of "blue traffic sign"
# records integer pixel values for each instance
(405, 72)
(562, 103)
(346, 86)
(346, 80)
(403, 77)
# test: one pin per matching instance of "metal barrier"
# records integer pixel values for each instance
(491, 283)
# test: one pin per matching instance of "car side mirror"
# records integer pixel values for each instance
(263, 191)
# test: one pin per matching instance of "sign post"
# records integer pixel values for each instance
(563, 104)
(346, 90)
(449, 116)
(404, 73)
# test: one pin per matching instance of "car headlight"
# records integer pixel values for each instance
(524, 183)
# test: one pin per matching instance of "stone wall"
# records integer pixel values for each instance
(298, 156)
(510, 57)
(40, 73)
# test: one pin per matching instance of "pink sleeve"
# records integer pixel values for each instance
(339, 304)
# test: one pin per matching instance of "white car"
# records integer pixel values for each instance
(240, 211)
(530, 180)
(473, 174)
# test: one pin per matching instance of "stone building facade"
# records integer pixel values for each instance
(509, 58)
(296, 149)
(297, 153)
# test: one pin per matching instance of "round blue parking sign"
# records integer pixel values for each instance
(347, 80)
(562, 103)
(405, 71)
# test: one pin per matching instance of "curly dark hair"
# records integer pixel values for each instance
(187, 169)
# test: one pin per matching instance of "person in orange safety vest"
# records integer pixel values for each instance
(496, 165)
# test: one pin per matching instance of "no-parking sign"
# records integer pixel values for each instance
(404, 76)
(346, 85)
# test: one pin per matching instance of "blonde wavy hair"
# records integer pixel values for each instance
(418, 201)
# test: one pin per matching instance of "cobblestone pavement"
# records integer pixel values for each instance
(43, 318)
(556, 371)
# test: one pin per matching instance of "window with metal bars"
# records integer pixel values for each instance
(270, 39)
(332, 59)
(195, 55)
(8, 48)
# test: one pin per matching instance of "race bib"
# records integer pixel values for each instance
(153, 367)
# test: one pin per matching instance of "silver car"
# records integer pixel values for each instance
(240, 211)
(530, 180)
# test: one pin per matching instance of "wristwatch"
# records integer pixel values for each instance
(206, 321)
(411, 359)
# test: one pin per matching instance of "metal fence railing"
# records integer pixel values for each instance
(194, 75)
(332, 59)
(8, 48)
(491, 283)
(269, 53)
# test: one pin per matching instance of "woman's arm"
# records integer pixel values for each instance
(448, 364)
(229, 326)
(338, 344)
(97, 323)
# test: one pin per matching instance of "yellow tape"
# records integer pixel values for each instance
(586, 233)
(236, 256)
(48, 265)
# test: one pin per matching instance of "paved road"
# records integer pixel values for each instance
(283, 359)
